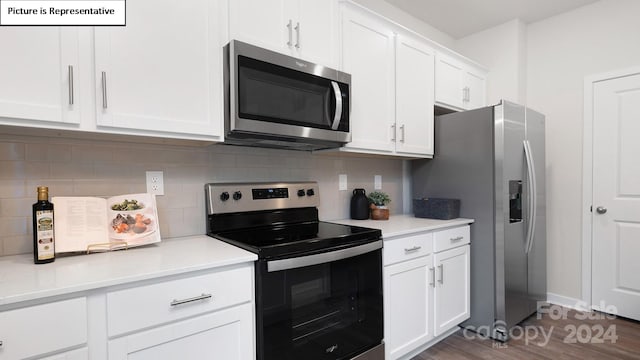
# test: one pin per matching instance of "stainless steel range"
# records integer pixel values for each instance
(318, 284)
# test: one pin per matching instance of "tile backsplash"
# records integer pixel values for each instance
(73, 167)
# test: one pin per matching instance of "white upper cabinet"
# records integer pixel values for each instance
(300, 28)
(368, 55)
(162, 73)
(392, 91)
(39, 73)
(459, 85)
(414, 96)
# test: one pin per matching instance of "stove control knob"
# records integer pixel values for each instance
(310, 192)
(301, 192)
(237, 195)
(224, 196)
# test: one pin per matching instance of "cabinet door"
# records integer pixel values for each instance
(162, 72)
(368, 55)
(414, 96)
(407, 306)
(452, 288)
(476, 89)
(449, 81)
(317, 40)
(39, 74)
(227, 334)
(265, 23)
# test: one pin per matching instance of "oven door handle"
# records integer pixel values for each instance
(302, 261)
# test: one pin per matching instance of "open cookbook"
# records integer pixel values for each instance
(97, 224)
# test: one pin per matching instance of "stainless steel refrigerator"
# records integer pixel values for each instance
(493, 160)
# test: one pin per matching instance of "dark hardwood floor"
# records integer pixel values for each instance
(568, 338)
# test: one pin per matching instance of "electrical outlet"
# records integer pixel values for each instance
(155, 182)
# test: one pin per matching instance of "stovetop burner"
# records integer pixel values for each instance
(277, 220)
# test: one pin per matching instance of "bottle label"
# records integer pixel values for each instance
(44, 223)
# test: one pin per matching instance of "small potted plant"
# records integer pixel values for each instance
(378, 206)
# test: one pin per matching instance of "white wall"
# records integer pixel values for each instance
(502, 49)
(562, 50)
(407, 20)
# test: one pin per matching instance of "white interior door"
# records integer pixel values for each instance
(616, 196)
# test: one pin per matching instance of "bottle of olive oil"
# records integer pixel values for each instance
(43, 242)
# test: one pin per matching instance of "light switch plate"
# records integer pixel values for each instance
(377, 182)
(342, 182)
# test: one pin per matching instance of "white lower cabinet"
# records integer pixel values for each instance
(40, 330)
(225, 334)
(426, 293)
(199, 317)
(207, 314)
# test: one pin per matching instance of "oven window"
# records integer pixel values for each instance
(273, 93)
(326, 311)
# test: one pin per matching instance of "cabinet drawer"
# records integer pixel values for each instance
(145, 306)
(41, 329)
(406, 248)
(450, 238)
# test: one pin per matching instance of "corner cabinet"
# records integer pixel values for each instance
(426, 289)
(459, 85)
(162, 73)
(39, 75)
(300, 28)
(391, 84)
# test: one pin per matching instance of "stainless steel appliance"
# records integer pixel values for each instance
(274, 100)
(493, 160)
(318, 284)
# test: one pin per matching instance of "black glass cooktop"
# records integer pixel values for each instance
(281, 241)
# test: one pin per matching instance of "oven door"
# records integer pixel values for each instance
(323, 306)
(281, 96)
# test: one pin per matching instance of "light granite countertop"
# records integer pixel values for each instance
(22, 280)
(401, 225)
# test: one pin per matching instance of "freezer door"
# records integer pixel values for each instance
(537, 257)
(512, 301)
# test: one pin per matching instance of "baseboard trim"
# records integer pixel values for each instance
(566, 301)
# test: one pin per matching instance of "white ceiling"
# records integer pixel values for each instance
(460, 18)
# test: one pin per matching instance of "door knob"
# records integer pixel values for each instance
(601, 210)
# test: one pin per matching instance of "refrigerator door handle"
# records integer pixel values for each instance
(531, 175)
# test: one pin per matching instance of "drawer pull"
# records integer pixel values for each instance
(195, 298)
(415, 248)
(457, 238)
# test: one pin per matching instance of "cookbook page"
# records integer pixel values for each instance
(79, 222)
(133, 219)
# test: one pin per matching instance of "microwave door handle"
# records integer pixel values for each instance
(338, 114)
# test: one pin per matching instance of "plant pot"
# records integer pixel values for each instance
(379, 212)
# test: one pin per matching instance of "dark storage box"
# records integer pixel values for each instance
(433, 208)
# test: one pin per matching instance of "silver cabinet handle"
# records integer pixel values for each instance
(297, 28)
(441, 267)
(195, 298)
(433, 277)
(402, 133)
(393, 132)
(415, 248)
(104, 90)
(338, 113)
(289, 25)
(468, 94)
(601, 210)
(457, 238)
(70, 84)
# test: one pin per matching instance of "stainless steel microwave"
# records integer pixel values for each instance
(275, 100)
